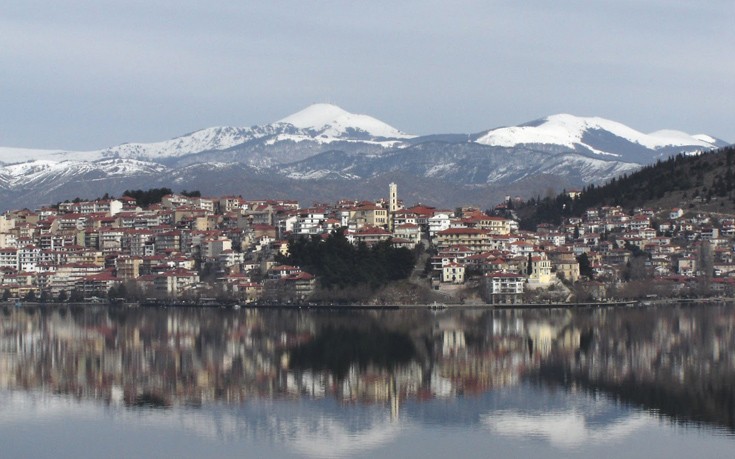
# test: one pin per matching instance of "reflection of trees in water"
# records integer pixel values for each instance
(677, 361)
(337, 349)
(698, 401)
(149, 400)
(674, 361)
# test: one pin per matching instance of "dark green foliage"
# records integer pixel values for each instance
(6, 294)
(338, 263)
(63, 296)
(585, 267)
(146, 198)
(192, 194)
(155, 195)
(117, 292)
(142, 198)
(76, 296)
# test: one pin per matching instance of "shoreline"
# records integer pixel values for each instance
(387, 307)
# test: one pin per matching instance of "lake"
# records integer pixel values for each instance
(91, 382)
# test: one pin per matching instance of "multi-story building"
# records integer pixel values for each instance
(504, 288)
(476, 240)
(540, 272)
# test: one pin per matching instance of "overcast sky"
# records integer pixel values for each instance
(86, 74)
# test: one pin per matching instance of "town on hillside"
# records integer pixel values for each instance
(189, 249)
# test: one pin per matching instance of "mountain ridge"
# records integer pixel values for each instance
(329, 144)
(326, 123)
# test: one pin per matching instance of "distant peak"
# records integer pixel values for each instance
(332, 121)
(572, 131)
(315, 116)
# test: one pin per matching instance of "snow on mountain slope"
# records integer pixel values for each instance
(307, 132)
(120, 167)
(588, 170)
(204, 140)
(215, 138)
(319, 124)
(44, 172)
(331, 121)
(325, 142)
(9, 155)
(570, 131)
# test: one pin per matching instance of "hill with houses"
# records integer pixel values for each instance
(191, 249)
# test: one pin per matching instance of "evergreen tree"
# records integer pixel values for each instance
(339, 264)
(585, 267)
(76, 296)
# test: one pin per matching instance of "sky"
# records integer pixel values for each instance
(88, 74)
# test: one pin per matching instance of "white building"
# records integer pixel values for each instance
(439, 222)
(505, 287)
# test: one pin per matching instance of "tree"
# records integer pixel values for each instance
(76, 296)
(62, 296)
(31, 295)
(146, 198)
(6, 295)
(339, 264)
(585, 267)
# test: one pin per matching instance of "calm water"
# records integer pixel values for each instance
(101, 382)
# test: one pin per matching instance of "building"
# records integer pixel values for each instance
(453, 273)
(504, 288)
(476, 240)
(392, 204)
(540, 271)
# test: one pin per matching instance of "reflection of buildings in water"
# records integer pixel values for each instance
(671, 344)
(181, 356)
(545, 337)
(195, 357)
(453, 342)
(189, 356)
(667, 359)
(91, 353)
(480, 353)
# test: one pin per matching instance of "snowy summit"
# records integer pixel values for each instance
(316, 127)
(331, 121)
(572, 131)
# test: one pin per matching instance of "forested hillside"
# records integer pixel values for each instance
(699, 182)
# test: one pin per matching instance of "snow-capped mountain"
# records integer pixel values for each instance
(327, 121)
(596, 137)
(324, 148)
(311, 130)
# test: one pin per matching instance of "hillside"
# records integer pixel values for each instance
(704, 182)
